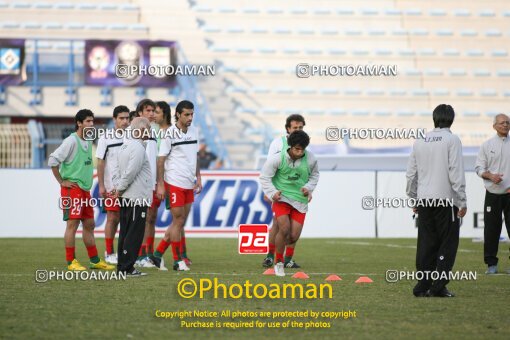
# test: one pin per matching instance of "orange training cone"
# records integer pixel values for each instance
(269, 271)
(364, 279)
(333, 278)
(300, 275)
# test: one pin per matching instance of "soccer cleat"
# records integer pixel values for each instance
(110, 258)
(180, 266)
(187, 261)
(292, 264)
(146, 263)
(76, 266)
(135, 273)
(101, 265)
(268, 262)
(442, 293)
(492, 270)
(278, 269)
(158, 262)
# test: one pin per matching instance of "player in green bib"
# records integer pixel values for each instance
(288, 178)
(71, 164)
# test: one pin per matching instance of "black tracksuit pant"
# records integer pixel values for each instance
(132, 228)
(438, 240)
(495, 206)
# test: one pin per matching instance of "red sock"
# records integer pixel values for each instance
(162, 247)
(183, 245)
(109, 245)
(69, 254)
(279, 257)
(150, 245)
(272, 248)
(92, 251)
(176, 247)
(289, 252)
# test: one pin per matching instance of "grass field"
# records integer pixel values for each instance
(126, 309)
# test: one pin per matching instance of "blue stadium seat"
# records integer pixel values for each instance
(322, 11)
(4, 5)
(444, 32)
(31, 25)
(457, 72)
(21, 5)
(298, 11)
(468, 33)
(202, 9)
(313, 51)
(118, 27)
(129, 7)
(307, 90)
(283, 90)
(398, 92)
(138, 27)
(481, 73)
(64, 5)
(235, 30)
(10, 25)
(338, 112)
(419, 32)
(503, 73)
(399, 32)
(315, 112)
(352, 92)
(406, 52)
(291, 50)
(382, 113)
(451, 52)
(405, 113)
(471, 113)
(275, 70)
(360, 112)
(393, 11)
(75, 26)
(441, 92)
(96, 26)
(487, 13)
(43, 6)
(424, 113)
(211, 29)
(383, 51)
(259, 30)
(493, 33)
(267, 50)
(474, 53)
(351, 31)
(244, 50)
(271, 111)
(275, 11)
(345, 11)
(225, 10)
(433, 72)
(376, 32)
(375, 92)
(413, 12)
(87, 6)
(427, 52)
(306, 31)
(420, 92)
(360, 52)
(437, 12)
(369, 11)
(506, 93)
(499, 53)
(54, 26)
(492, 113)
(261, 90)
(464, 93)
(329, 31)
(488, 93)
(219, 49)
(329, 91)
(251, 10)
(462, 13)
(291, 111)
(230, 69)
(337, 51)
(108, 7)
(282, 31)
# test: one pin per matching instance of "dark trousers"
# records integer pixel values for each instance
(132, 228)
(495, 206)
(438, 240)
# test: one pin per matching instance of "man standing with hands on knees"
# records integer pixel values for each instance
(133, 187)
(435, 171)
(493, 165)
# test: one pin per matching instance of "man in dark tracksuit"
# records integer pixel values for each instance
(133, 185)
(493, 165)
(436, 172)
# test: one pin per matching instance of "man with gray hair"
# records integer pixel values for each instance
(133, 187)
(493, 165)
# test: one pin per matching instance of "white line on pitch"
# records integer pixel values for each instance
(389, 245)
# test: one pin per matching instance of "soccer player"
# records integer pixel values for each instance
(288, 178)
(146, 108)
(178, 177)
(293, 123)
(106, 153)
(74, 157)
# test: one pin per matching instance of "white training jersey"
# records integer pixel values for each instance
(107, 149)
(180, 150)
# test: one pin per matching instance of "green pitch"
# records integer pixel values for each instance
(126, 309)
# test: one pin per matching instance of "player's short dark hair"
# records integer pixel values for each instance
(443, 116)
(143, 104)
(81, 116)
(132, 115)
(166, 111)
(294, 117)
(183, 104)
(298, 137)
(119, 109)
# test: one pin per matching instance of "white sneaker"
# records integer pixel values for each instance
(181, 266)
(146, 263)
(111, 258)
(138, 264)
(279, 269)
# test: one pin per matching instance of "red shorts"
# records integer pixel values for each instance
(178, 197)
(282, 208)
(156, 202)
(111, 204)
(74, 204)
